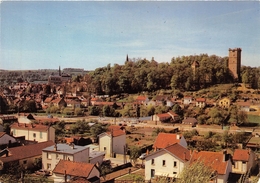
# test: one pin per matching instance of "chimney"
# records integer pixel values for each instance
(177, 136)
(55, 147)
(7, 153)
(72, 146)
(224, 155)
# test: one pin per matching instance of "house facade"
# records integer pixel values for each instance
(168, 162)
(113, 142)
(53, 154)
(243, 160)
(244, 106)
(224, 103)
(200, 102)
(23, 155)
(33, 132)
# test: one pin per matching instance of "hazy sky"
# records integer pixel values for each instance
(44, 35)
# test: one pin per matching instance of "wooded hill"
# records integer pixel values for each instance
(144, 75)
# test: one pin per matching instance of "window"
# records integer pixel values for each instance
(34, 135)
(25, 162)
(174, 173)
(152, 162)
(163, 163)
(48, 156)
(48, 166)
(175, 164)
(105, 148)
(41, 135)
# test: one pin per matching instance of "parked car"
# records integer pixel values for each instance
(143, 156)
(42, 172)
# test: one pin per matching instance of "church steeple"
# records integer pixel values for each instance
(127, 58)
(59, 71)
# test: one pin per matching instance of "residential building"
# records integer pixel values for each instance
(166, 139)
(224, 103)
(53, 154)
(95, 156)
(166, 117)
(33, 132)
(66, 171)
(24, 156)
(190, 121)
(244, 106)
(6, 140)
(59, 102)
(25, 118)
(113, 141)
(187, 100)
(243, 160)
(200, 102)
(142, 100)
(168, 162)
(219, 162)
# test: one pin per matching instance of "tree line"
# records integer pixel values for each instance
(139, 75)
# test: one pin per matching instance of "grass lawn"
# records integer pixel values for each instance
(253, 119)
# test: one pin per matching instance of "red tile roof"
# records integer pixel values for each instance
(73, 168)
(32, 127)
(179, 151)
(117, 130)
(215, 160)
(200, 99)
(141, 98)
(28, 151)
(241, 155)
(166, 139)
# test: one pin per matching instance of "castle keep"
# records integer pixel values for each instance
(234, 62)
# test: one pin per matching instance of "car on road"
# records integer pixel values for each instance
(42, 172)
(143, 156)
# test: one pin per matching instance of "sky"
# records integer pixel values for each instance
(92, 34)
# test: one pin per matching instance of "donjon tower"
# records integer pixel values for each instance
(234, 63)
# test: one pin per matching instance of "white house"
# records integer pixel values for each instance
(113, 142)
(53, 154)
(243, 159)
(66, 171)
(187, 100)
(166, 139)
(168, 162)
(33, 132)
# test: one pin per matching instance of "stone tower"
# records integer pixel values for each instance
(234, 63)
(194, 67)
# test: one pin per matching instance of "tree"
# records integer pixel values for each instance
(97, 129)
(94, 110)
(196, 172)
(134, 153)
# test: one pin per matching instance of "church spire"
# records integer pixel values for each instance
(127, 58)
(59, 71)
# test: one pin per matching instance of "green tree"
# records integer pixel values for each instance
(196, 172)
(97, 129)
(94, 110)
(134, 153)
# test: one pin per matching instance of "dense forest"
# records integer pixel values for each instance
(144, 75)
